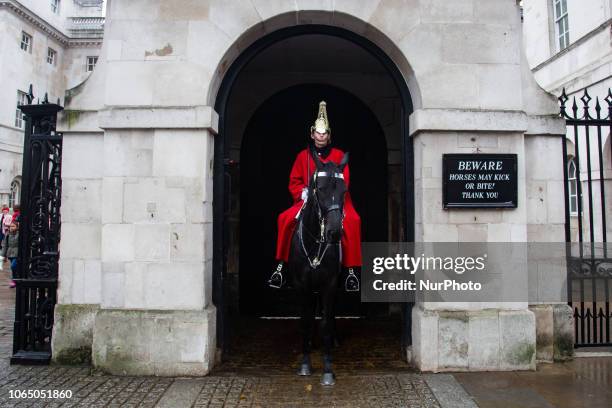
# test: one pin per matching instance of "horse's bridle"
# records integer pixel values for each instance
(316, 261)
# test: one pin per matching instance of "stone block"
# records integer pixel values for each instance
(443, 11)
(127, 153)
(497, 86)
(472, 232)
(187, 242)
(112, 200)
(113, 285)
(499, 232)
(189, 10)
(179, 153)
(118, 242)
(563, 340)
(396, 18)
(152, 242)
(481, 44)
(178, 285)
(517, 340)
(206, 54)
(81, 156)
(234, 17)
(544, 331)
(424, 339)
(85, 281)
(73, 333)
(464, 94)
(453, 340)
(149, 200)
(135, 276)
(497, 12)
(80, 241)
(182, 76)
(483, 340)
(81, 200)
(162, 343)
(64, 287)
(440, 233)
(536, 202)
(128, 83)
(555, 194)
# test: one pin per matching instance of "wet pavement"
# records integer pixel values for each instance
(260, 372)
(583, 382)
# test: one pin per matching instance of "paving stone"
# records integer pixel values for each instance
(370, 372)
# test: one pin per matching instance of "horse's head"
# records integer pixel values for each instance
(328, 188)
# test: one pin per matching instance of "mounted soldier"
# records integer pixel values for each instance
(301, 173)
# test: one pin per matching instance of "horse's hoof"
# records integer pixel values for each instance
(305, 369)
(328, 379)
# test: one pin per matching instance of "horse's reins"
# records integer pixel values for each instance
(316, 261)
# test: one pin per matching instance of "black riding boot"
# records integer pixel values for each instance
(277, 280)
(353, 275)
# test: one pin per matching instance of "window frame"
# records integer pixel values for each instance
(51, 53)
(15, 193)
(22, 99)
(561, 18)
(55, 6)
(26, 41)
(572, 179)
(88, 64)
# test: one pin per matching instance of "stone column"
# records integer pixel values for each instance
(156, 315)
(469, 336)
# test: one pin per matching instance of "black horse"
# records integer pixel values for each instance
(314, 258)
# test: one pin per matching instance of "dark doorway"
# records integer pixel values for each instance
(278, 130)
(257, 143)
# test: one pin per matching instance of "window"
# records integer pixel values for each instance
(91, 63)
(15, 193)
(51, 56)
(561, 23)
(21, 100)
(573, 186)
(26, 42)
(55, 6)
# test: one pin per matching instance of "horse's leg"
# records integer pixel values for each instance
(307, 324)
(328, 312)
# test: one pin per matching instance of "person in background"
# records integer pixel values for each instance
(10, 249)
(5, 221)
(16, 214)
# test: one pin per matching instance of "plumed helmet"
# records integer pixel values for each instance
(321, 124)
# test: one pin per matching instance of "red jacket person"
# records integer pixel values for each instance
(301, 172)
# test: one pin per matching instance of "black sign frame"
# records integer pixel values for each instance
(447, 204)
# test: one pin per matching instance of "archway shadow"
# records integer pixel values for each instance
(278, 130)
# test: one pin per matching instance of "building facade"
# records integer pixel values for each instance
(154, 225)
(568, 48)
(46, 44)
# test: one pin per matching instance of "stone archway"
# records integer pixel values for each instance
(232, 125)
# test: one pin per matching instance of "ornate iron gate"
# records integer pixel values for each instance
(39, 234)
(587, 174)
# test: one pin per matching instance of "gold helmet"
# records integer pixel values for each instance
(321, 125)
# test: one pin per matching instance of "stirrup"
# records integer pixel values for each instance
(276, 280)
(351, 283)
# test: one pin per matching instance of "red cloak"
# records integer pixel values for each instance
(298, 179)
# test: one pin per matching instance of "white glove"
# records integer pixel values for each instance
(304, 193)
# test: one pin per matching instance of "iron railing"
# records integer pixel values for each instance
(589, 260)
(39, 234)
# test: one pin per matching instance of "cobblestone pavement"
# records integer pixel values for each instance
(249, 379)
(370, 369)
